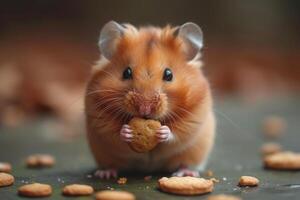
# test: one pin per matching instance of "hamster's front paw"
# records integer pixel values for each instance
(186, 172)
(126, 133)
(106, 174)
(164, 134)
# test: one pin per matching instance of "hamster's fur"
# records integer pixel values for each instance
(183, 105)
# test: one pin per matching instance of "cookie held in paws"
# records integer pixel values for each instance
(144, 134)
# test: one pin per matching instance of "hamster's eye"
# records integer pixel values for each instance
(168, 75)
(127, 73)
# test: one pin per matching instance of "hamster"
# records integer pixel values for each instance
(151, 73)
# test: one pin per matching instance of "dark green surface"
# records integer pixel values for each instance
(236, 153)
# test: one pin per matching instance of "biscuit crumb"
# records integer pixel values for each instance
(122, 181)
(274, 126)
(248, 181)
(214, 180)
(209, 173)
(6, 179)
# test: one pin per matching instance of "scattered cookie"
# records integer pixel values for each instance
(40, 160)
(6, 179)
(214, 180)
(5, 167)
(185, 185)
(35, 190)
(248, 181)
(223, 197)
(144, 134)
(122, 181)
(286, 160)
(270, 148)
(77, 190)
(114, 195)
(209, 173)
(274, 126)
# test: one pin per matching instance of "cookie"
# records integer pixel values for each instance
(114, 195)
(270, 148)
(6, 179)
(185, 185)
(40, 160)
(286, 160)
(274, 126)
(77, 190)
(5, 167)
(35, 190)
(122, 181)
(144, 134)
(248, 181)
(223, 197)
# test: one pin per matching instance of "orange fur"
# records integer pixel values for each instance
(184, 104)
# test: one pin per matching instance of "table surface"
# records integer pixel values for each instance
(236, 153)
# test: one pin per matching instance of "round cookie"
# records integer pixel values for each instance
(274, 126)
(270, 148)
(248, 181)
(40, 160)
(223, 197)
(286, 160)
(186, 185)
(35, 190)
(114, 195)
(77, 190)
(144, 134)
(5, 167)
(6, 179)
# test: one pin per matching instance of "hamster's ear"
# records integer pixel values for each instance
(192, 36)
(109, 36)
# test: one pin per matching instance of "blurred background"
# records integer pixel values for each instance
(47, 47)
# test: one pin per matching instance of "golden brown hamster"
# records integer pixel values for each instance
(151, 73)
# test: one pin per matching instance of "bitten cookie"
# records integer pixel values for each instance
(40, 160)
(35, 190)
(283, 161)
(5, 167)
(248, 181)
(6, 179)
(77, 190)
(114, 195)
(144, 134)
(185, 185)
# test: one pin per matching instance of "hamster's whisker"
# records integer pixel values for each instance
(110, 74)
(99, 91)
(110, 103)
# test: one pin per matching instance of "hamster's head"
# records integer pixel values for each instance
(148, 72)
